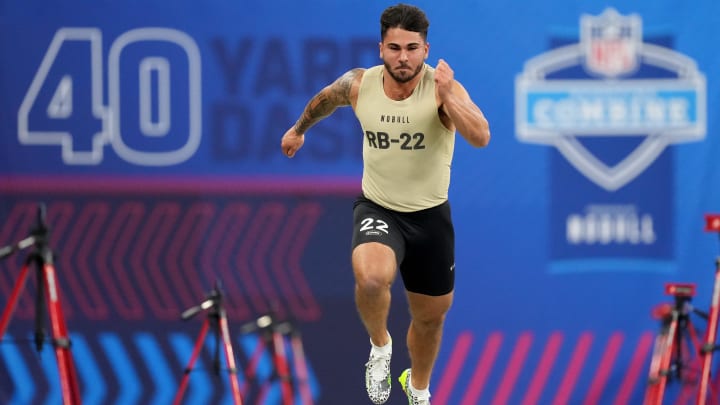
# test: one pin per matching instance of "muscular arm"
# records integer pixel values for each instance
(341, 92)
(469, 120)
(327, 100)
(455, 104)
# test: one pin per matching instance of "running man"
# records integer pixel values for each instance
(409, 113)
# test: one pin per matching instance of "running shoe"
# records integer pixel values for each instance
(405, 383)
(377, 378)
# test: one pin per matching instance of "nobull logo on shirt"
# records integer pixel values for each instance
(610, 104)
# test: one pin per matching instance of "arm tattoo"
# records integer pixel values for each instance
(326, 101)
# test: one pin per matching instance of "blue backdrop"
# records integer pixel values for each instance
(151, 131)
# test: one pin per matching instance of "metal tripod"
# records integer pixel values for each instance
(48, 294)
(217, 319)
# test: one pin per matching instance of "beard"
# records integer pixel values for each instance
(403, 76)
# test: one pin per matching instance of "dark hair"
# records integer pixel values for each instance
(405, 16)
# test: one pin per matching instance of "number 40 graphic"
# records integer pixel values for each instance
(152, 116)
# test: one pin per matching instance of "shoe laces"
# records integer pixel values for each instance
(378, 366)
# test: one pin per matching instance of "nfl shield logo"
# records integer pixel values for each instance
(611, 43)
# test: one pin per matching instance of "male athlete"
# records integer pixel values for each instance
(409, 113)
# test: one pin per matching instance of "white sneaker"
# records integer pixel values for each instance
(377, 377)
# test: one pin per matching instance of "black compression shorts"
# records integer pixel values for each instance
(423, 242)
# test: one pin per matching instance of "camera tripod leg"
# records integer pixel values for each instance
(230, 360)
(191, 363)
(61, 338)
(301, 368)
(662, 355)
(10, 306)
(282, 368)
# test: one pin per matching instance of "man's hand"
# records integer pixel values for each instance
(444, 79)
(291, 142)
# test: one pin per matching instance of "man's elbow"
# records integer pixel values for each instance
(480, 138)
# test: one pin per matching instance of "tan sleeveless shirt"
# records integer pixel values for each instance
(407, 151)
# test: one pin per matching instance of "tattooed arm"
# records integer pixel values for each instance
(341, 92)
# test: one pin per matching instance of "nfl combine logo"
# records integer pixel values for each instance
(611, 103)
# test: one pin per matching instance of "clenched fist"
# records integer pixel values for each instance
(291, 142)
(444, 79)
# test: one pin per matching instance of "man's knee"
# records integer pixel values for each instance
(429, 312)
(372, 283)
(374, 268)
(431, 322)
(373, 278)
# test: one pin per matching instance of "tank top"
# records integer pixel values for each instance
(407, 151)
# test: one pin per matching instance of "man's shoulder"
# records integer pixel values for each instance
(361, 73)
(429, 71)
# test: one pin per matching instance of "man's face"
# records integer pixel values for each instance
(403, 53)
